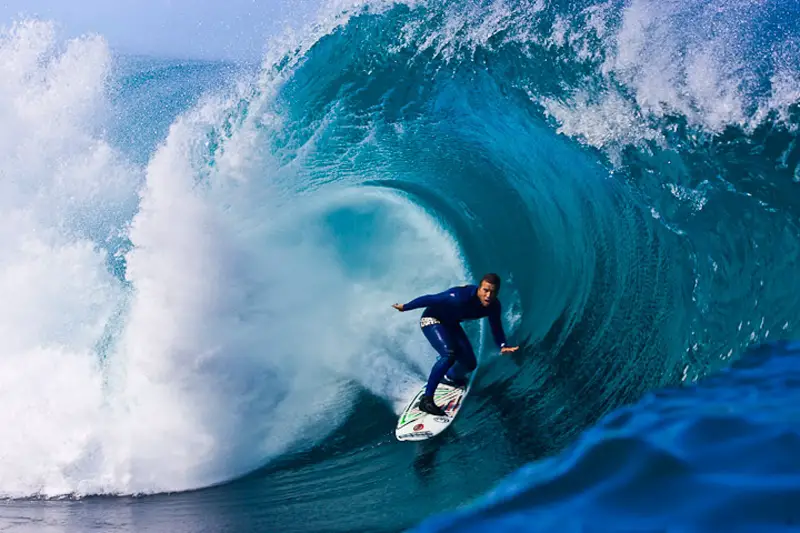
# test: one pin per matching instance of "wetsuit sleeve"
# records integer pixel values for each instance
(429, 299)
(496, 324)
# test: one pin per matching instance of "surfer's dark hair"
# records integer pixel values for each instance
(492, 279)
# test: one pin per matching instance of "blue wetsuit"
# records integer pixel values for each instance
(441, 325)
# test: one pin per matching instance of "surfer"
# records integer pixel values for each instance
(441, 325)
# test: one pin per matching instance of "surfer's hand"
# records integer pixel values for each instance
(399, 307)
(509, 349)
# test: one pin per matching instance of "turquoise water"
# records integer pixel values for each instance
(199, 260)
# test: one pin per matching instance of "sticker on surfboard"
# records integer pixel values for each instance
(415, 425)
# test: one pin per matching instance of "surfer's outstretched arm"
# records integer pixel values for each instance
(496, 324)
(426, 300)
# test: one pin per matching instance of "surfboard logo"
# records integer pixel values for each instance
(418, 427)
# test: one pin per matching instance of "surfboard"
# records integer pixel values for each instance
(415, 425)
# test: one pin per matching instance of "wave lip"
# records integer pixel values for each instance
(719, 456)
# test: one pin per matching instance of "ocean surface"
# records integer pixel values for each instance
(198, 261)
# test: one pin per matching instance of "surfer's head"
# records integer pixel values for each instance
(488, 288)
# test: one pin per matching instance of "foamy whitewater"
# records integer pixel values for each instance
(198, 261)
(176, 375)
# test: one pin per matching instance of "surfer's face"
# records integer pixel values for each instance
(486, 293)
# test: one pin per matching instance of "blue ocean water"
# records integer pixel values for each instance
(198, 261)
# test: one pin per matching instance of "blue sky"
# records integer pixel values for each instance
(203, 29)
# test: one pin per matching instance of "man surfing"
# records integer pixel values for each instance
(441, 325)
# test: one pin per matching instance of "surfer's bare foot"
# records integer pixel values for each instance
(427, 405)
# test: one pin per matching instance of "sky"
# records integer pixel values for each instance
(186, 29)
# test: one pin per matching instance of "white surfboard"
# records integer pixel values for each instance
(415, 425)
